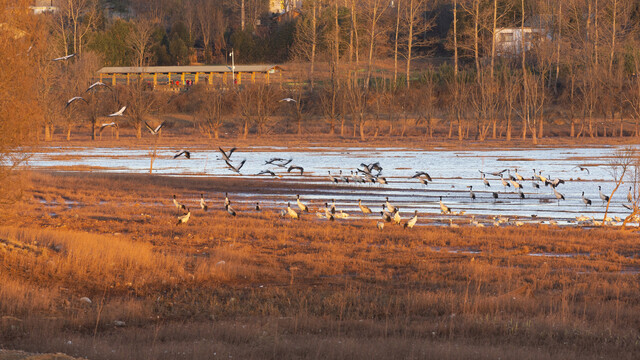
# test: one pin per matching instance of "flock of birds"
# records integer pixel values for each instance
(390, 213)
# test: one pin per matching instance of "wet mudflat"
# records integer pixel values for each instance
(452, 172)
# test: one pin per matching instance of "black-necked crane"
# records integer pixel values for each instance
(332, 178)
(227, 202)
(485, 181)
(424, 181)
(605, 198)
(534, 182)
(444, 208)
(106, 125)
(582, 168)
(420, 174)
(119, 112)
(495, 195)
(266, 172)
(96, 85)
(292, 213)
(332, 208)
(75, 98)
(521, 194)
(230, 211)
(381, 180)
(397, 219)
(516, 185)
(412, 222)
(203, 205)
(303, 207)
(186, 154)
(235, 169)
(344, 178)
(296, 167)
(385, 215)
(518, 176)
(629, 195)
(226, 155)
(182, 219)
(390, 207)
(628, 206)
(365, 210)
(176, 203)
(471, 193)
(273, 160)
(452, 225)
(153, 131)
(380, 225)
(510, 177)
(555, 182)
(283, 163)
(63, 58)
(558, 195)
(585, 200)
(540, 177)
(258, 208)
(504, 183)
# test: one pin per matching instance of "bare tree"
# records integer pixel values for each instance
(375, 10)
(141, 102)
(210, 112)
(621, 162)
(140, 40)
(76, 19)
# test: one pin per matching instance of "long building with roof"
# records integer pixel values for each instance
(181, 75)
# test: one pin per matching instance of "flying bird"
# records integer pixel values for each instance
(582, 168)
(422, 173)
(106, 125)
(186, 154)
(288, 100)
(152, 130)
(118, 113)
(226, 155)
(96, 84)
(63, 58)
(235, 168)
(267, 172)
(296, 167)
(75, 98)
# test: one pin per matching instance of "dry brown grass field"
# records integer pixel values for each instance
(260, 286)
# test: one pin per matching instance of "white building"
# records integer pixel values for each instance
(44, 6)
(509, 40)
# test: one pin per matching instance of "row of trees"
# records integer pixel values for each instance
(582, 69)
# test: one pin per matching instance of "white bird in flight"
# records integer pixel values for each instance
(118, 113)
(64, 57)
(152, 130)
(96, 84)
(288, 100)
(74, 99)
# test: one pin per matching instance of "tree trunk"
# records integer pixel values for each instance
(395, 49)
(68, 132)
(245, 131)
(362, 130)
(47, 132)
(493, 46)
(455, 38)
(216, 134)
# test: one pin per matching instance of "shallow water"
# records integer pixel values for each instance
(452, 172)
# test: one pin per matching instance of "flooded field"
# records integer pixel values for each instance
(451, 172)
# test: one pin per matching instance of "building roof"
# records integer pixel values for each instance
(189, 69)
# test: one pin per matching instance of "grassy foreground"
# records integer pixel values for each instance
(259, 286)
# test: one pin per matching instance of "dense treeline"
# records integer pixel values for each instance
(360, 68)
